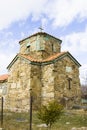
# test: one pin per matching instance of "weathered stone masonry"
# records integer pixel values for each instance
(41, 66)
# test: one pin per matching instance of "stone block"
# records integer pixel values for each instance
(2, 129)
(83, 128)
(74, 128)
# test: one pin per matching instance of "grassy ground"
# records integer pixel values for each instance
(20, 121)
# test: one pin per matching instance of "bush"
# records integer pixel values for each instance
(50, 113)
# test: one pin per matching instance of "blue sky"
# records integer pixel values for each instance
(64, 19)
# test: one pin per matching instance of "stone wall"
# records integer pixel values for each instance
(48, 82)
(64, 70)
(40, 46)
(36, 85)
(19, 85)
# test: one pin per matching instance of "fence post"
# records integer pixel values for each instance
(1, 111)
(30, 109)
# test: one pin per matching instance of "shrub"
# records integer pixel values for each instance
(50, 113)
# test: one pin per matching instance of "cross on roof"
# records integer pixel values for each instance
(41, 29)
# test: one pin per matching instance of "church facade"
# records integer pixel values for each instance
(41, 67)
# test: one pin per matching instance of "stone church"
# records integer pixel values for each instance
(41, 67)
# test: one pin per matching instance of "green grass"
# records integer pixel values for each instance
(20, 121)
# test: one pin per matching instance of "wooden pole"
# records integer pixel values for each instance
(2, 112)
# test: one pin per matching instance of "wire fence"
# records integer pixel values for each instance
(15, 106)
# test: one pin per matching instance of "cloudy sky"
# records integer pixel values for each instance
(64, 19)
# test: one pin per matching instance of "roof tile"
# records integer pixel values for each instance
(3, 77)
(44, 60)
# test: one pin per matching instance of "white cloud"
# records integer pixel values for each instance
(44, 22)
(15, 10)
(5, 60)
(75, 42)
(61, 12)
(9, 45)
(83, 74)
(8, 49)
